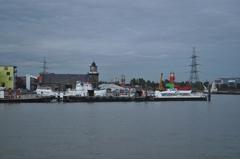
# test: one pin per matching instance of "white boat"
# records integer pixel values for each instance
(173, 92)
(45, 92)
(100, 93)
(177, 93)
(82, 89)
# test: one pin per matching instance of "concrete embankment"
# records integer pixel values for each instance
(227, 92)
(133, 99)
(27, 100)
(69, 99)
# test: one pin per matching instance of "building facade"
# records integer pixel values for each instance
(63, 81)
(226, 84)
(228, 81)
(7, 76)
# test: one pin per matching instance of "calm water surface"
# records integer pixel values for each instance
(168, 130)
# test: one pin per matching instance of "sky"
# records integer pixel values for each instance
(137, 38)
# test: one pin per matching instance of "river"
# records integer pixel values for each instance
(144, 130)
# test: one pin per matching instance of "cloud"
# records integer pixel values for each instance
(120, 35)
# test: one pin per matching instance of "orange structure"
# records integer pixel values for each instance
(172, 77)
(161, 87)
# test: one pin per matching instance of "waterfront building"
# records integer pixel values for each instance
(234, 81)
(7, 76)
(65, 81)
(226, 84)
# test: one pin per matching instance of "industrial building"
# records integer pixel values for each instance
(62, 81)
(7, 76)
(65, 81)
(228, 81)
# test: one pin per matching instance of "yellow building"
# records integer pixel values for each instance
(7, 76)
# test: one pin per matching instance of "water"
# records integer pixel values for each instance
(187, 130)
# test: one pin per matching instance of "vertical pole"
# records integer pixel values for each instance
(209, 93)
(28, 82)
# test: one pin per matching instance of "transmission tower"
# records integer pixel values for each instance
(194, 71)
(44, 72)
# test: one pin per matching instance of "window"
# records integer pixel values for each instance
(3, 84)
(15, 69)
(8, 73)
(5, 68)
(10, 78)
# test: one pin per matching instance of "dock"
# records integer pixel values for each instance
(70, 99)
(27, 100)
(91, 99)
(227, 92)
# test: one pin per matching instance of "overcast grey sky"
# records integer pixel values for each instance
(138, 38)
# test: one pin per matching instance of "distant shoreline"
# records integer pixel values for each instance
(227, 92)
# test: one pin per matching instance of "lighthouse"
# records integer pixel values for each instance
(93, 75)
